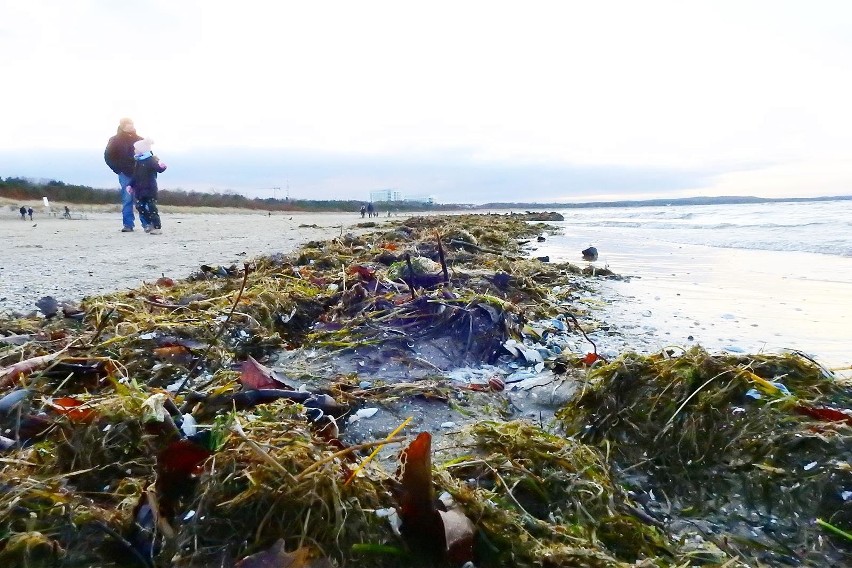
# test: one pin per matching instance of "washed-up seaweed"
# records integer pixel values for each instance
(220, 420)
(755, 447)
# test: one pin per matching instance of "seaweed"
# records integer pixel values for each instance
(204, 421)
(730, 440)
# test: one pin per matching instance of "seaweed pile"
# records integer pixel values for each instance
(231, 419)
(755, 448)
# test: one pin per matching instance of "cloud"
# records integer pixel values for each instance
(581, 96)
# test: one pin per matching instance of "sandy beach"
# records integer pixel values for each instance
(70, 259)
(676, 295)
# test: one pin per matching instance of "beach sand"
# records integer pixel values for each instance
(70, 259)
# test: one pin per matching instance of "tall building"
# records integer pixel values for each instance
(385, 195)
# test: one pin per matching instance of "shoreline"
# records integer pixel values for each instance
(661, 302)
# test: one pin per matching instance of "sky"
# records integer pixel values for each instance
(470, 102)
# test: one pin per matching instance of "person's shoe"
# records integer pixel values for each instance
(155, 232)
(147, 229)
(127, 229)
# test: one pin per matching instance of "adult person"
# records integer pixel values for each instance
(30, 213)
(119, 157)
(371, 210)
(23, 212)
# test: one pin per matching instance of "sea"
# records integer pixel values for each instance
(742, 278)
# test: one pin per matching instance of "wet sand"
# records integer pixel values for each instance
(731, 300)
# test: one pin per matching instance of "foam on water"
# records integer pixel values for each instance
(823, 227)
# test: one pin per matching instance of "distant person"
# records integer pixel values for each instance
(370, 210)
(119, 157)
(23, 212)
(363, 210)
(30, 213)
(143, 185)
(67, 214)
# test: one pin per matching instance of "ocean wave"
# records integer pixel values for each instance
(698, 226)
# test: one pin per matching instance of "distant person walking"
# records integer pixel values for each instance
(67, 213)
(30, 213)
(23, 212)
(363, 210)
(119, 157)
(143, 185)
(370, 210)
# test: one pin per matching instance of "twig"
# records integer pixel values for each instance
(218, 334)
(577, 323)
(410, 282)
(350, 449)
(443, 260)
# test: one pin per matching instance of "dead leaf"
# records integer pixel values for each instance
(590, 358)
(421, 523)
(253, 375)
(429, 532)
(276, 557)
(458, 536)
(71, 407)
(172, 352)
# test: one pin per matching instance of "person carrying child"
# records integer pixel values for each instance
(143, 185)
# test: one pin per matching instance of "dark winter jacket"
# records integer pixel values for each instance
(119, 152)
(144, 178)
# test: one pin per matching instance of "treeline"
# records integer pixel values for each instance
(26, 190)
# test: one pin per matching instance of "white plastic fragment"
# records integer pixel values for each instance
(367, 412)
(189, 425)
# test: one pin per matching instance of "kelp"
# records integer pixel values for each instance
(756, 445)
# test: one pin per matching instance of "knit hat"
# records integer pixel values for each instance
(142, 146)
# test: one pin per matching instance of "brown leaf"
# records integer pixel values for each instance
(179, 352)
(70, 407)
(421, 524)
(253, 375)
(276, 557)
(429, 531)
(458, 536)
(22, 368)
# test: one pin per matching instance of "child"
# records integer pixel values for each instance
(143, 185)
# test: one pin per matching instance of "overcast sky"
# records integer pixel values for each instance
(466, 101)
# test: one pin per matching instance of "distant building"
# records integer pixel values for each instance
(385, 195)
